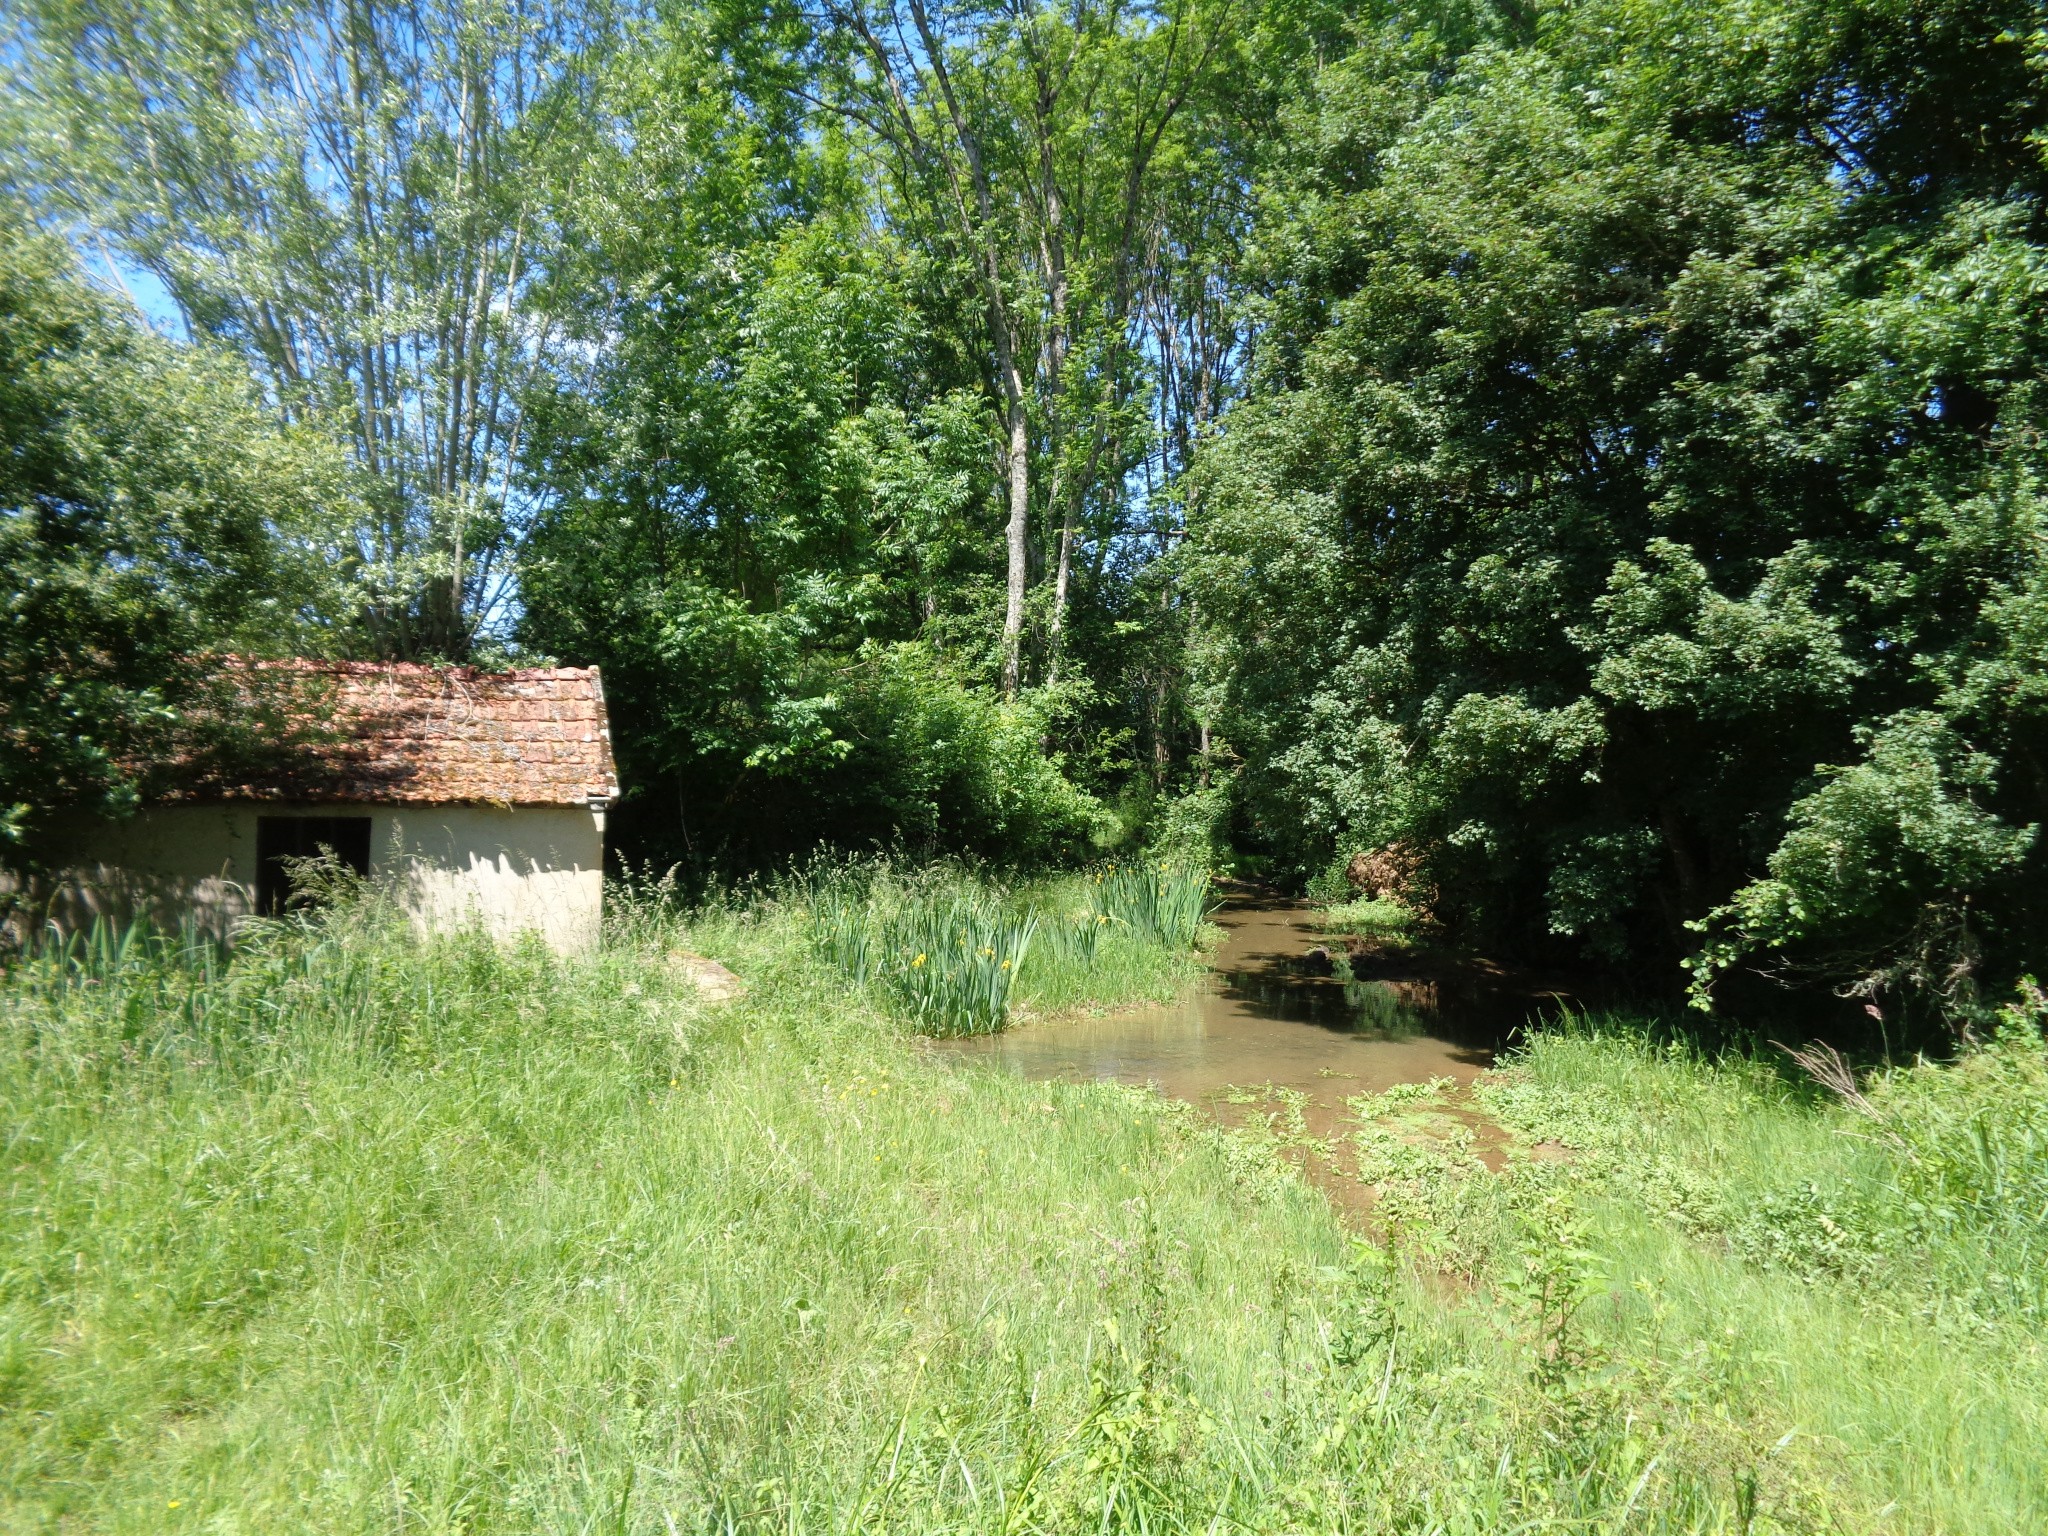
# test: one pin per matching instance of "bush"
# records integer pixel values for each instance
(1193, 831)
(1385, 918)
(936, 763)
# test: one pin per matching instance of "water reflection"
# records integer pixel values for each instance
(1389, 1010)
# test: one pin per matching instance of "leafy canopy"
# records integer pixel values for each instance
(151, 512)
(1639, 509)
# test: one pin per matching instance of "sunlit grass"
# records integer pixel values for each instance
(448, 1236)
(947, 960)
(1845, 1261)
(1381, 918)
(949, 952)
(1161, 902)
(363, 1233)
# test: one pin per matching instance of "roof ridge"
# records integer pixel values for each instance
(349, 667)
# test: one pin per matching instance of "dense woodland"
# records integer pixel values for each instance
(1588, 453)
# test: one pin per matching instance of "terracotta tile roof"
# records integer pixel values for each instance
(402, 733)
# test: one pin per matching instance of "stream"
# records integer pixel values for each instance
(1262, 1018)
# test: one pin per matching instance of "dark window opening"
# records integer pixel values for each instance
(280, 839)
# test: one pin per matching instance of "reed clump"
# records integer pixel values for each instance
(951, 953)
(946, 961)
(964, 959)
(1163, 902)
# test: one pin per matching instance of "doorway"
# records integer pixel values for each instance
(281, 840)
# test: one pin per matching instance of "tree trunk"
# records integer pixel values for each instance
(1017, 472)
(1062, 577)
(1053, 255)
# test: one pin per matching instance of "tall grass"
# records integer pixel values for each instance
(949, 952)
(1924, 1188)
(355, 1231)
(1160, 902)
(948, 960)
(1966, 1170)
(1873, 1259)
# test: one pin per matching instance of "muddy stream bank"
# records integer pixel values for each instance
(1263, 1034)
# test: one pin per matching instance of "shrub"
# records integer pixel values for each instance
(1385, 918)
(936, 763)
(1194, 830)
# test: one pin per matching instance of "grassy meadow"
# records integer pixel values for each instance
(361, 1232)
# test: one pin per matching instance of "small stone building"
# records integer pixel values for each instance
(476, 796)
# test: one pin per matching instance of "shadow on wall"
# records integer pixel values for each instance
(78, 897)
(509, 870)
(531, 869)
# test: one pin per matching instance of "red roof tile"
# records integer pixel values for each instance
(408, 734)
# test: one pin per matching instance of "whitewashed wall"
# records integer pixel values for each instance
(535, 867)
(515, 869)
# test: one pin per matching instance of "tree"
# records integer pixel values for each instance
(1641, 473)
(1018, 142)
(765, 492)
(354, 195)
(762, 457)
(152, 516)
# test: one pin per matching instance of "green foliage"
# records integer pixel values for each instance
(771, 1263)
(953, 966)
(765, 532)
(362, 202)
(151, 512)
(1966, 1176)
(1632, 506)
(857, 371)
(1193, 830)
(1888, 853)
(938, 763)
(1375, 918)
(1925, 1190)
(949, 952)
(1331, 884)
(1159, 902)
(1077, 937)
(1638, 510)
(1085, 961)
(946, 960)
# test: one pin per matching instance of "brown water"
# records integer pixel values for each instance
(1263, 1018)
